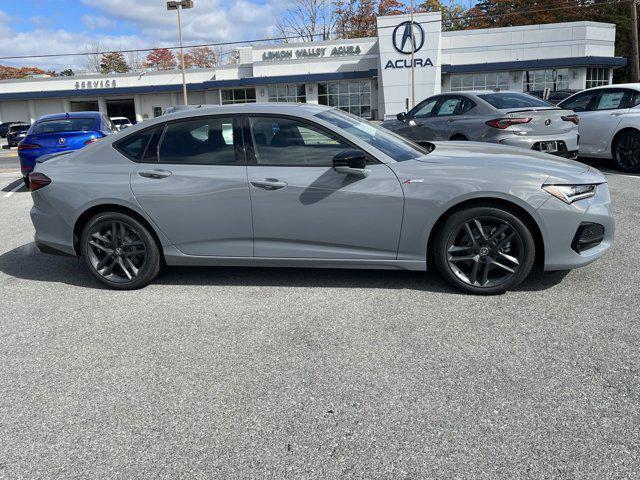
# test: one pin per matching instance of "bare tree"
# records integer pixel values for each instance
(310, 20)
(93, 57)
(135, 60)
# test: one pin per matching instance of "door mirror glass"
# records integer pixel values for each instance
(401, 116)
(351, 162)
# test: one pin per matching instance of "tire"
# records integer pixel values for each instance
(459, 138)
(26, 182)
(128, 262)
(626, 152)
(484, 250)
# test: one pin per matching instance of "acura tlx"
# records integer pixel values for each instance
(310, 186)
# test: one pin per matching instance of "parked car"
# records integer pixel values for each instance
(16, 134)
(4, 128)
(60, 132)
(609, 123)
(508, 118)
(312, 186)
(121, 122)
(554, 97)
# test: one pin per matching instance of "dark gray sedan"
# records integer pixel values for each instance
(508, 118)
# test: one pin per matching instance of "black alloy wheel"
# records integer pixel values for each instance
(485, 250)
(626, 152)
(120, 251)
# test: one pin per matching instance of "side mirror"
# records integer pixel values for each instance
(401, 116)
(351, 162)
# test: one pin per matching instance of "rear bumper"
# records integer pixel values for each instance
(562, 221)
(52, 231)
(570, 141)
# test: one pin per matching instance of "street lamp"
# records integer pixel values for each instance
(179, 5)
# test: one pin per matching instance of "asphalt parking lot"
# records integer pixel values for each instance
(284, 373)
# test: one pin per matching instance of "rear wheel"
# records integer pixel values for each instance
(26, 181)
(626, 152)
(120, 251)
(484, 250)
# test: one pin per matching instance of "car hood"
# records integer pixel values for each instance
(502, 158)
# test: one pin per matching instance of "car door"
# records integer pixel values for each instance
(419, 121)
(600, 113)
(192, 182)
(303, 208)
(447, 112)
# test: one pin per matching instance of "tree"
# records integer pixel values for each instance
(135, 60)
(113, 62)
(201, 57)
(310, 20)
(7, 72)
(454, 16)
(93, 56)
(161, 59)
(357, 18)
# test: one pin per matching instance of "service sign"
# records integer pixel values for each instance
(95, 84)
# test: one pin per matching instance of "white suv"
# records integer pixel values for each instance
(609, 123)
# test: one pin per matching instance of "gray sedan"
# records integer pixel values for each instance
(310, 186)
(507, 118)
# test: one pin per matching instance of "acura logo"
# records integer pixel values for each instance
(547, 122)
(62, 140)
(407, 39)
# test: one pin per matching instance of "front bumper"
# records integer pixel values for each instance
(560, 222)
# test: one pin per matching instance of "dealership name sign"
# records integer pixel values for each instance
(318, 52)
(94, 84)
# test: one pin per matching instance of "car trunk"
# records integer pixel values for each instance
(544, 121)
(62, 140)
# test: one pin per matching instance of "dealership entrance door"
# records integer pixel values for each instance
(122, 108)
(84, 106)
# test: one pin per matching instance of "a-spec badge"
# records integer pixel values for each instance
(409, 181)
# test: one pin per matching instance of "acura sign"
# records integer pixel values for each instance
(406, 39)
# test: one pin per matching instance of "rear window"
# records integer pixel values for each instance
(513, 100)
(64, 125)
(120, 121)
(15, 128)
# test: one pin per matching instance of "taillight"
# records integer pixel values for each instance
(91, 140)
(38, 180)
(503, 123)
(27, 146)
(571, 118)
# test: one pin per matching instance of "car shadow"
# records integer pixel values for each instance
(606, 166)
(28, 263)
(13, 185)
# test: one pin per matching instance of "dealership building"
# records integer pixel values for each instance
(372, 77)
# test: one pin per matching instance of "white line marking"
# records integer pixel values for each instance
(18, 187)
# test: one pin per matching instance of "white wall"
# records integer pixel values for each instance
(15, 111)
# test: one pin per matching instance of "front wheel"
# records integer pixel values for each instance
(484, 250)
(626, 152)
(120, 251)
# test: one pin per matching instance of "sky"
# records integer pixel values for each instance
(31, 27)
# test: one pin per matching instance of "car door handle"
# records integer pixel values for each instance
(157, 174)
(269, 184)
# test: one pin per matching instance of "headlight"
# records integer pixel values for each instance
(570, 193)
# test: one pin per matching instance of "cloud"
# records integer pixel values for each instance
(210, 21)
(95, 22)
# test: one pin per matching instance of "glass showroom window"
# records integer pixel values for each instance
(538, 80)
(597, 77)
(352, 97)
(287, 93)
(481, 81)
(238, 95)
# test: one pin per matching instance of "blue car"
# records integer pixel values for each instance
(61, 132)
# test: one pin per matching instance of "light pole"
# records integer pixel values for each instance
(179, 5)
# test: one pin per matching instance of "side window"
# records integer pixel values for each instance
(424, 109)
(449, 106)
(467, 105)
(135, 145)
(636, 99)
(201, 141)
(283, 141)
(580, 102)
(612, 100)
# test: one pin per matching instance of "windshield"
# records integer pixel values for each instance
(387, 142)
(120, 121)
(513, 100)
(64, 125)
